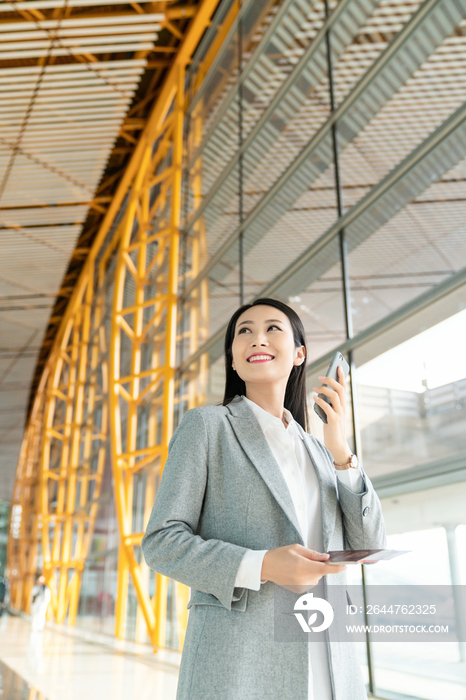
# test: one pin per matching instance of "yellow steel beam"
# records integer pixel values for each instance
(136, 395)
(68, 481)
(150, 304)
(25, 521)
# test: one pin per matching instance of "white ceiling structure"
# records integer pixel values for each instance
(68, 72)
(66, 84)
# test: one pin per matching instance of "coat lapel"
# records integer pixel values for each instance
(326, 478)
(251, 438)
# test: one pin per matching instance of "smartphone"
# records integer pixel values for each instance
(337, 361)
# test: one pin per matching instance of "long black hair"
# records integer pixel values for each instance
(295, 393)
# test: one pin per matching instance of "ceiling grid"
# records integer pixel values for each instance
(70, 72)
(399, 77)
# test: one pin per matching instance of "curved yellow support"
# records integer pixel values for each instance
(73, 449)
(25, 519)
(143, 341)
(116, 381)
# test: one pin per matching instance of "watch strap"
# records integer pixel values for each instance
(349, 463)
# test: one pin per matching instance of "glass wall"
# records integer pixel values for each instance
(4, 513)
(412, 400)
(411, 409)
(431, 524)
(325, 165)
(99, 581)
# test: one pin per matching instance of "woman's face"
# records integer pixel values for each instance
(263, 346)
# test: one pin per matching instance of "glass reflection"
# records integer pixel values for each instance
(412, 400)
(430, 523)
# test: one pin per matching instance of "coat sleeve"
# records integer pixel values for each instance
(170, 544)
(363, 522)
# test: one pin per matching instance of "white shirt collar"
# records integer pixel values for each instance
(266, 419)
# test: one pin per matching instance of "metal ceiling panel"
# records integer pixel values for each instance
(58, 124)
(276, 196)
(50, 4)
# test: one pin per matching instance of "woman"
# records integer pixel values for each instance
(40, 599)
(249, 501)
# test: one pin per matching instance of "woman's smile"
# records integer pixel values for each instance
(260, 358)
(264, 336)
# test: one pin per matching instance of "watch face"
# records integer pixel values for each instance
(354, 462)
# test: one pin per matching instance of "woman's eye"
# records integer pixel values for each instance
(249, 330)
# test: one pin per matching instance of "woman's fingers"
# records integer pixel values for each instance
(329, 411)
(296, 565)
(319, 569)
(334, 569)
(333, 395)
(315, 556)
(335, 392)
(341, 377)
(333, 386)
(323, 568)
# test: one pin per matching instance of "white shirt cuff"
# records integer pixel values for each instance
(249, 572)
(351, 478)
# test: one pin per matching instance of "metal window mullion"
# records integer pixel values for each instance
(363, 85)
(279, 96)
(374, 194)
(213, 66)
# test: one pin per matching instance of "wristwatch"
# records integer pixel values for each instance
(352, 463)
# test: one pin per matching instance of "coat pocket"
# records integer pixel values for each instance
(239, 601)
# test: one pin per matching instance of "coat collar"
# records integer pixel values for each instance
(252, 440)
(251, 437)
(266, 419)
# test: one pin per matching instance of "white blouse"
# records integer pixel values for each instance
(287, 445)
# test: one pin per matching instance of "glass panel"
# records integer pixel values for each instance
(316, 294)
(376, 33)
(223, 293)
(132, 613)
(109, 592)
(277, 138)
(430, 523)
(412, 400)
(418, 88)
(98, 594)
(290, 234)
(416, 249)
(4, 516)
(105, 535)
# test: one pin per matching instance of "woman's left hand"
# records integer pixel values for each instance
(335, 428)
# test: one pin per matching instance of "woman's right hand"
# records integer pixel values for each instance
(296, 568)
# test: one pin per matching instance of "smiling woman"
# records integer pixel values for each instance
(249, 502)
(271, 327)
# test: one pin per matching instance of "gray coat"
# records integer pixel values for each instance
(222, 493)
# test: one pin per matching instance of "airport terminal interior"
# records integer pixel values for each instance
(161, 163)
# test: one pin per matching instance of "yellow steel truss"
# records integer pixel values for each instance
(73, 450)
(110, 380)
(142, 373)
(26, 518)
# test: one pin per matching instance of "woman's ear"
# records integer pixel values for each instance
(300, 356)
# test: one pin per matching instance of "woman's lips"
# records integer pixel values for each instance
(263, 358)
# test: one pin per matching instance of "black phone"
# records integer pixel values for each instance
(337, 361)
